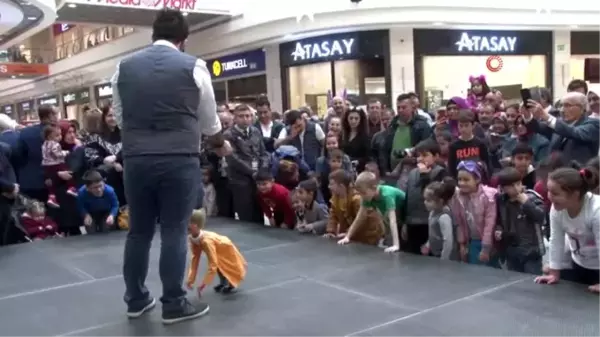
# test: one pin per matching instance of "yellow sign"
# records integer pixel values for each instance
(217, 68)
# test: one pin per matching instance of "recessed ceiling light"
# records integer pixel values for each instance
(31, 18)
(185, 13)
(574, 26)
(13, 76)
(438, 23)
(72, 5)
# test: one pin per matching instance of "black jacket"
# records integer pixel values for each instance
(419, 131)
(270, 141)
(577, 142)
(522, 227)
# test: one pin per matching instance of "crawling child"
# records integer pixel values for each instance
(224, 259)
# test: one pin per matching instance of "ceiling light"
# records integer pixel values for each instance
(13, 76)
(72, 5)
(22, 46)
(185, 13)
(32, 18)
(574, 26)
(438, 23)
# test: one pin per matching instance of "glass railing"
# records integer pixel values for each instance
(65, 50)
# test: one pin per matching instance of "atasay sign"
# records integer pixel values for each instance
(485, 44)
(324, 49)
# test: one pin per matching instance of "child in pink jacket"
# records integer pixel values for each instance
(474, 212)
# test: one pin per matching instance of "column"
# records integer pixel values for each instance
(274, 87)
(402, 61)
(562, 63)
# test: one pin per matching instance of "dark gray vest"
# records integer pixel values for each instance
(159, 98)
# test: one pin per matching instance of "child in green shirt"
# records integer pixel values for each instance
(382, 198)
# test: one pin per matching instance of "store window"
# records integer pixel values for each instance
(309, 85)
(80, 38)
(220, 89)
(350, 64)
(510, 61)
(247, 89)
(517, 72)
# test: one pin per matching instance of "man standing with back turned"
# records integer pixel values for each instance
(164, 101)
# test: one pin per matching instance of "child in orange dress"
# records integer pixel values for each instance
(224, 259)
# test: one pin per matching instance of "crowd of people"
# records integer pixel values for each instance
(59, 179)
(479, 181)
(476, 181)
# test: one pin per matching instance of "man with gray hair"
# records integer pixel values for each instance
(574, 134)
(163, 100)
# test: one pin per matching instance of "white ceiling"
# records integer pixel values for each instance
(11, 15)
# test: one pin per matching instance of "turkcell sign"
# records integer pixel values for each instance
(237, 64)
(486, 44)
(323, 49)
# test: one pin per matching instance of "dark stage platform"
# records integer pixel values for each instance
(296, 285)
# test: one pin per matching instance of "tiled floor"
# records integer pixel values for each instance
(296, 285)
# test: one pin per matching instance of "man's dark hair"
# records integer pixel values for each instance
(263, 101)
(466, 116)
(428, 145)
(92, 177)
(241, 107)
(263, 175)
(292, 116)
(373, 101)
(403, 97)
(577, 84)
(508, 176)
(45, 111)
(413, 95)
(522, 148)
(170, 25)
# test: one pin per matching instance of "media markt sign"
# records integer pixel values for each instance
(486, 44)
(183, 5)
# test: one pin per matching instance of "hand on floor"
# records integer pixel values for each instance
(392, 249)
(329, 235)
(546, 279)
(595, 288)
(344, 241)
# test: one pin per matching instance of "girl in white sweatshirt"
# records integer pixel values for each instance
(575, 212)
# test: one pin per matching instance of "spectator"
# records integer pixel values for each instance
(28, 156)
(248, 157)
(574, 134)
(98, 203)
(306, 136)
(38, 225)
(406, 130)
(355, 138)
(103, 151)
(270, 129)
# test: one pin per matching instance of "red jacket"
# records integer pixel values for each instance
(277, 200)
(39, 229)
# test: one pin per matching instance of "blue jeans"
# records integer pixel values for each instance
(159, 189)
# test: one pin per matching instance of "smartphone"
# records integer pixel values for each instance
(525, 95)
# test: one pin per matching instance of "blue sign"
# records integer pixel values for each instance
(237, 64)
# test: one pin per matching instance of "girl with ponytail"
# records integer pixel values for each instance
(575, 212)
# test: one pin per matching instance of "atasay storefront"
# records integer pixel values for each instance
(510, 60)
(239, 78)
(355, 64)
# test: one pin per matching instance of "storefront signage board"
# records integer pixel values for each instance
(323, 49)
(237, 64)
(49, 100)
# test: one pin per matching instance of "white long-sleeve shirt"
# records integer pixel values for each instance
(583, 233)
(208, 121)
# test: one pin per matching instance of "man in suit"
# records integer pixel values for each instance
(164, 101)
(574, 135)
